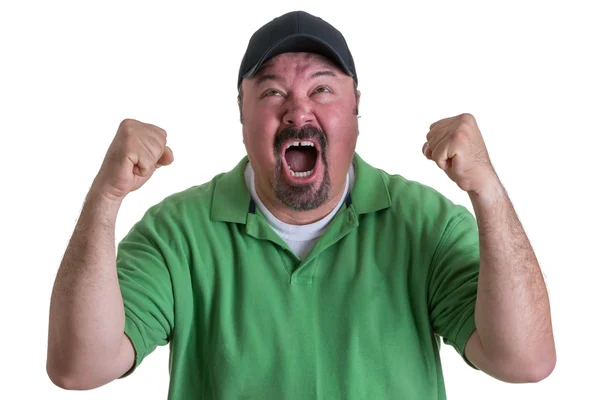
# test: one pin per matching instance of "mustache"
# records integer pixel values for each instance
(304, 133)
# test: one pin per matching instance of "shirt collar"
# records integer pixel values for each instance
(370, 192)
(231, 199)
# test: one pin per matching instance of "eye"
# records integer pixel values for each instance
(322, 89)
(271, 93)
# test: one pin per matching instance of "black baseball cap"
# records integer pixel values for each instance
(297, 31)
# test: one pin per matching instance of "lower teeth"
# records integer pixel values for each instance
(300, 174)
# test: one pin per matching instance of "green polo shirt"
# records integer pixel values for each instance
(360, 317)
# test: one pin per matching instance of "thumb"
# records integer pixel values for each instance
(426, 151)
(166, 158)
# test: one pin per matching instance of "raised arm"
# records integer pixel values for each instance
(87, 346)
(514, 341)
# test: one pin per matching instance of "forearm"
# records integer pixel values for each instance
(512, 312)
(86, 312)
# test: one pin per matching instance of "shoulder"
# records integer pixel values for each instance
(421, 211)
(178, 209)
(405, 200)
(417, 200)
(428, 217)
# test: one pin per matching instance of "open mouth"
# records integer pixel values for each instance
(301, 158)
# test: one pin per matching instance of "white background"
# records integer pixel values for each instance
(71, 71)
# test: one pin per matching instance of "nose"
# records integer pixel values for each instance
(298, 112)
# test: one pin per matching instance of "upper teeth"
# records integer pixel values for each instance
(299, 144)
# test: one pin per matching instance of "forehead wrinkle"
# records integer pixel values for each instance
(298, 64)
(267, 77)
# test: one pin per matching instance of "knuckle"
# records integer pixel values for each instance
(467, 117)
(153, 146)
(127, 132)
(127, 124)
(161, 140)
(149, 149)
(460, 134)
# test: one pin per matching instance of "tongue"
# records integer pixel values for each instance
(299, 160)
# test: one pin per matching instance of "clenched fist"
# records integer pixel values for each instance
(457, 147)
(137, 150)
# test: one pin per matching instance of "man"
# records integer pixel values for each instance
(303, 273)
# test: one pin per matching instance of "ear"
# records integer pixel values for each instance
(240, 100)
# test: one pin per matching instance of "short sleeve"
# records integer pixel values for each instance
(452, 284)
(146, 288)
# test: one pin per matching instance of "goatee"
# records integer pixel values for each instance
(305, 196)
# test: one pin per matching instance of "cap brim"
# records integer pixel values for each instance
(299, 43)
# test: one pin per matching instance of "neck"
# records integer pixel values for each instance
(284, 214)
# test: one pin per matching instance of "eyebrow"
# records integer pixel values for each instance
(326, 72)
(267, 77)
(274, 77)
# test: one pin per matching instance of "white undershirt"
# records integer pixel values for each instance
(300, 238)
